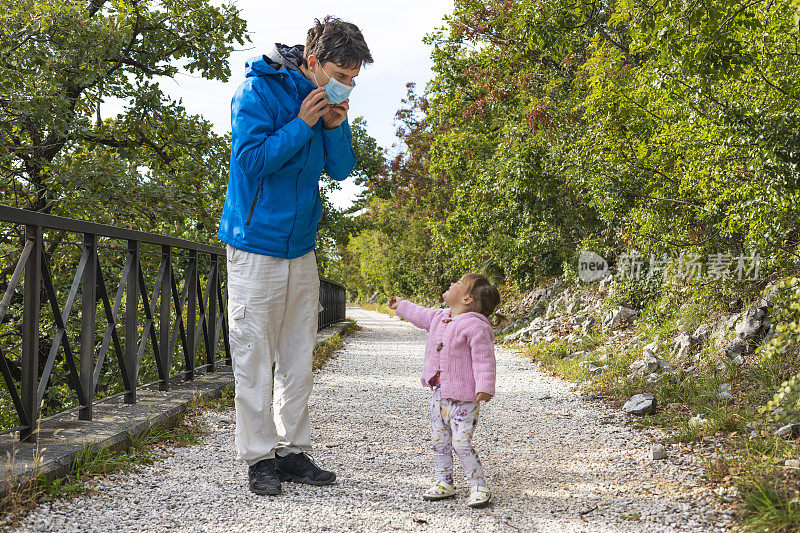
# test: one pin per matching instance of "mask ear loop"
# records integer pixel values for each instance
(315, 74)
(315, 79)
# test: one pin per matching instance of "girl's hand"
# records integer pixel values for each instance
(394, 301)
(483, 397)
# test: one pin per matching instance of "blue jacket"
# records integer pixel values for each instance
(273, 204)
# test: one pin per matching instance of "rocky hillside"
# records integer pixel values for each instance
(691, 366)
(558, 312)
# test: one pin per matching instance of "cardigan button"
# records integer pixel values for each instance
(439, 346)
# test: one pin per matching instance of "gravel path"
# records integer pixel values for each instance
(555, 462)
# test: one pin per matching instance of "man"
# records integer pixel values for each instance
(289, 123)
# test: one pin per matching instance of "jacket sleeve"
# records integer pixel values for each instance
(257, 146)
(484, 367)
(340, 159)
(422, 317)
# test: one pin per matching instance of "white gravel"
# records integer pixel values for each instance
(548, 460)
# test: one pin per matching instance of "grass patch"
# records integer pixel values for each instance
(220, 402)
(686, 432)
(771, 507)
(769, 491)
(326, 350)
(555, 357)
(23, 496)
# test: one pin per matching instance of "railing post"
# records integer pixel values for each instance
(131, 320)
(88, 320)
(164, 316)
(211, 313)
(191, 313)
(342, 303)
(223, 304)
(30, 334)
(326, 303)
(321, 314)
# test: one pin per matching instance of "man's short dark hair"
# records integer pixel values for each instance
(338, 41)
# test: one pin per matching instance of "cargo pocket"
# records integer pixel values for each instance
(238, 310)
(236, 255)
(239, 334)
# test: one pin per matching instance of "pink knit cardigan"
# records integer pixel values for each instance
(465, 355)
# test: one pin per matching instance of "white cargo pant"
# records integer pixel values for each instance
(272, 311)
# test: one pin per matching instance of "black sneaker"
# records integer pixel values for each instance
(263, 478)
(300, 468)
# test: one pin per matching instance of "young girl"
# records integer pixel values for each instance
(460, 369)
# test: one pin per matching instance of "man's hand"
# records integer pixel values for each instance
(394, 301)
(483, 397)
(335, 115)
(314, 106)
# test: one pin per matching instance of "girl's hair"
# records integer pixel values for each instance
(485, 296)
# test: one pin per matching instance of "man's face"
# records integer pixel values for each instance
(329, 69)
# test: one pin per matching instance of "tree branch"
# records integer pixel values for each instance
(144, 68)
(93, 7)
(492, 38)
(622, 48)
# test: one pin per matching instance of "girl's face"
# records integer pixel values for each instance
(457, 294)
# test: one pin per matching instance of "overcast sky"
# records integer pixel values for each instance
(393, 31)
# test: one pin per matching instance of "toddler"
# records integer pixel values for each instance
(460, 369)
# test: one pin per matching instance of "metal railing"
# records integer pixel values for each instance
(194, 314)
(333, 297)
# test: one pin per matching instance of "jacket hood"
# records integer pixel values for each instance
(478, 316)
(258, 66)
(279, 56)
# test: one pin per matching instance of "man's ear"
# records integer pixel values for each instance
(312, 61)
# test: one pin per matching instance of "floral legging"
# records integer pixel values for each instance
(452, 425)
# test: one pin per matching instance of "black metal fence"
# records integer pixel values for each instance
(333, 297)
(141, 323)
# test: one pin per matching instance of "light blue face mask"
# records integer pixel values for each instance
(337, 91)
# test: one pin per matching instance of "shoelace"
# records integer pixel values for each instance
(265, 465)
(308, 459)
(297, 457)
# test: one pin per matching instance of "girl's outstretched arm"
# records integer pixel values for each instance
(416, 314)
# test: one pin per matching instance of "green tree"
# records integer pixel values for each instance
(699, 130)
(153, 166)
(663, 127)
(338, 225)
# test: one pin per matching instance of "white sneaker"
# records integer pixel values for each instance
(479, 497)
(439, 491)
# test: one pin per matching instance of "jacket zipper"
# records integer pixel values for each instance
(253, 207)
